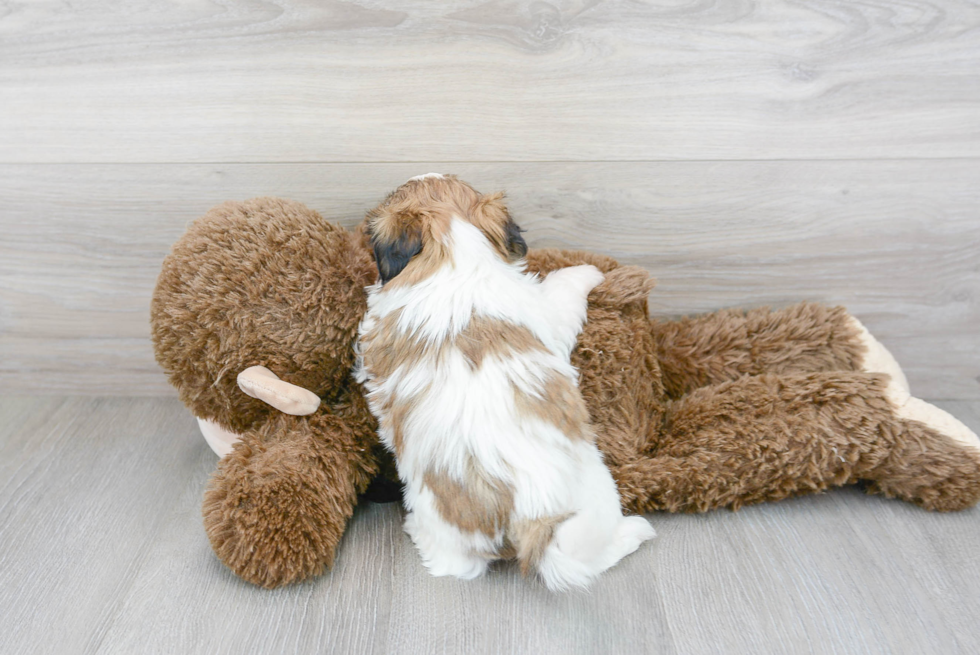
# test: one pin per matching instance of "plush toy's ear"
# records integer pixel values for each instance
(394, 254)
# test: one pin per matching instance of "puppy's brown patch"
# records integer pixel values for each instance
(530, 539)
(394, 420)
(491, 337)
(480, 503)
(386, 348)
(560, 404)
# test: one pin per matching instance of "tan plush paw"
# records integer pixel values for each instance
(877, 359)
(915, 409)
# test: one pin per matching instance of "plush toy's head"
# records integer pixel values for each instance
(266, 282)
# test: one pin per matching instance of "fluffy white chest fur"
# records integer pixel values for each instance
(467, 370)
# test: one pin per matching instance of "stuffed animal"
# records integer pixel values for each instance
(254, 319)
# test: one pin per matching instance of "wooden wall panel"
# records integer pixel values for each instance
(898, 242)
(498, 80)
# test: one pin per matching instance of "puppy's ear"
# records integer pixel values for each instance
(494, 220)
(514, 242)
(394, 254)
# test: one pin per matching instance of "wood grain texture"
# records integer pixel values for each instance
(898, 242)
(85, 488)
(477, 80)
(102, 551)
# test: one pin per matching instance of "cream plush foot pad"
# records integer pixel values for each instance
(220, 440)
(877, 359)
(943, 422)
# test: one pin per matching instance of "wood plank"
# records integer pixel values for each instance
(501, 612)
(102, 551)
(895, 241)
(833, 573)
(199, 606)
(85, 486)
(102, 547)
(497, 80)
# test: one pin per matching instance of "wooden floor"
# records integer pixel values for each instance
(102, 551)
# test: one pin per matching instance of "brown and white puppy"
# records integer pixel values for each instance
(466, 361)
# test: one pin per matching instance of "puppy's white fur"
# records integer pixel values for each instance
(461, 414)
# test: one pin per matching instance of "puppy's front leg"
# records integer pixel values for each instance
(567, 290)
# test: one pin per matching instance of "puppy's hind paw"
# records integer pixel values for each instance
(585, 277)
(633, 531)
(464, 568)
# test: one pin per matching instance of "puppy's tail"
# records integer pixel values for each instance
(567, 564)
(559, 572)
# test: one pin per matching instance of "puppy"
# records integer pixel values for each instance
(465, 358)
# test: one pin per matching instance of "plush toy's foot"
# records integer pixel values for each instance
(935, 462)
(220, 440)
(941, 421)
(276, 506)
(877, 359)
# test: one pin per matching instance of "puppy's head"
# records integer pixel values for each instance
(409, 229)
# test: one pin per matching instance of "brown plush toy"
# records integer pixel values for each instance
(254, 319)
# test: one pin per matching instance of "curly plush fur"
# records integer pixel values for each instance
(268, 282)
(717, 411)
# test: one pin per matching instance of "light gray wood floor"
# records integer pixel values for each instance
(102, 551)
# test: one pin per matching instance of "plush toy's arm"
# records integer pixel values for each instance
(723, 346)
(623, 286)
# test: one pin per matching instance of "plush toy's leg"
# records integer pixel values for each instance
(714, 348)
(907, 407)
(277, 505)
(934, 463)
(767, 437)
